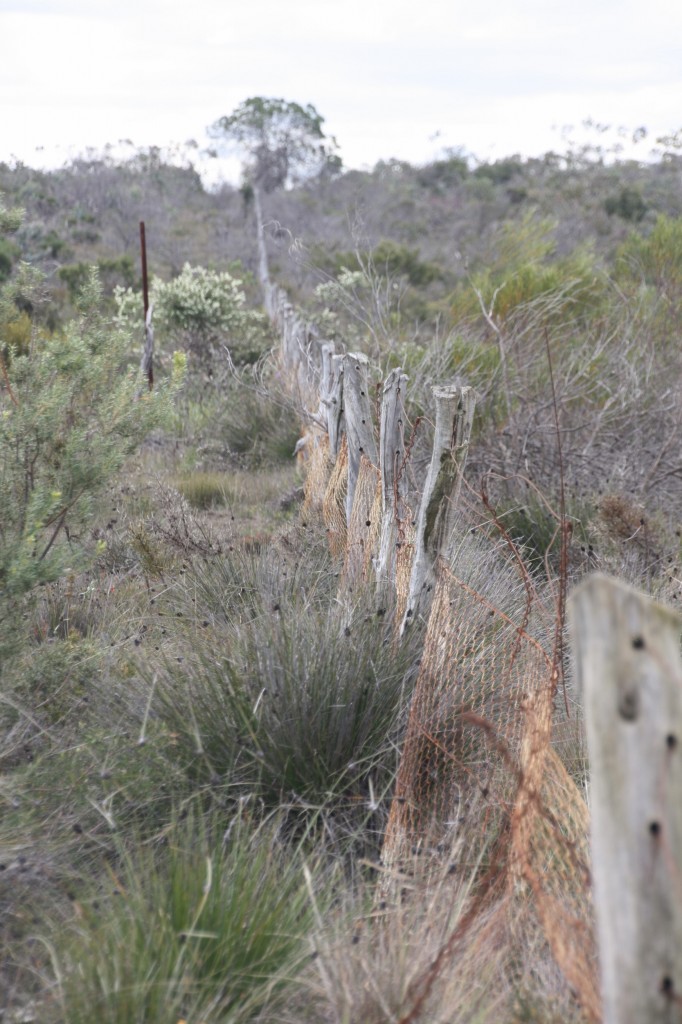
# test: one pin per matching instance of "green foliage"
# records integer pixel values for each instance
(16, 335)
(395, 260)
(535, 527)
(284, 141)
(500, 171)
(54, 244)
(628, 204)
(199, 309)
(75, 277)
(11, 217)
(476, 361)
(656, 258)
(444, 174)
(8, 254)
(210, 926)
(66, 426)
(117, 270)
(255, 423)
(522, 268)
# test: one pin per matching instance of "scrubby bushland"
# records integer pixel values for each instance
(198, 731)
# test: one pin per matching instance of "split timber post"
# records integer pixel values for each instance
(627, 653)
(454, 418)
(331, 392)
(358, 416)
(393, 480)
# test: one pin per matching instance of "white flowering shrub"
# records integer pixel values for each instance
(200, 309)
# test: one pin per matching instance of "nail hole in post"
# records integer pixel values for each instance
(638, 643)
(628, 706)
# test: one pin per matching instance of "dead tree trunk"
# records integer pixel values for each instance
(454, 417)
(627, 652)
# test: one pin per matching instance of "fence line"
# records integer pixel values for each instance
(627, 656)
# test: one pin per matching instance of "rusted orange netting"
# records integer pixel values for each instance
(478, 767)
(334, 503)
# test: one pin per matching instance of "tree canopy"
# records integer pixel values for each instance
(284, 141)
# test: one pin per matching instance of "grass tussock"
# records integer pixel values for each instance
(209, 923)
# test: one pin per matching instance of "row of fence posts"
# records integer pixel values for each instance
(626, 653)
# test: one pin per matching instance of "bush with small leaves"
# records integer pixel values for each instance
(200, 310)
(70, 413)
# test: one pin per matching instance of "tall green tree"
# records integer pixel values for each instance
(284, 142)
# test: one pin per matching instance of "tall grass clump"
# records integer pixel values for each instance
(422, 957)
(291, 698)
(209, 925)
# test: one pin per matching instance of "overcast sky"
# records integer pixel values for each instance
(393, 78)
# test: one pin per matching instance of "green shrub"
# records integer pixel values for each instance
(288, 697)
(199, 310)
(501, 171)
(256, 423)
(8, 254)
(657, 258)
(394, 260)
(628, 204)
(69, 416)
(75, 277)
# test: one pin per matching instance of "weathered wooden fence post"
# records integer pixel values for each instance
(393, 479)
(358, 415)
(627, 653)
(333, 401)
(454, 417)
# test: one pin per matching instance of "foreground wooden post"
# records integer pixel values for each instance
(393, 480)
(358, 414)
(627, 653)
(454, 418)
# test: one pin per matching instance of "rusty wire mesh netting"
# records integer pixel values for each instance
(478, 765)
